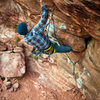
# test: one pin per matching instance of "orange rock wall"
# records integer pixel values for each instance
(75, 21)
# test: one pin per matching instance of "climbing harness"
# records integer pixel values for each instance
(50, 50)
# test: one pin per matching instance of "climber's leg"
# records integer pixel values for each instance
(55, 48)
(62, 49)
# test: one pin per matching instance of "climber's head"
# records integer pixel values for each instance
(22, 28)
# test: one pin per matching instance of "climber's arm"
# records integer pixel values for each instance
(44, 17)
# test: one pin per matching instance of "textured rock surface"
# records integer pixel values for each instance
(77, 44)
(12, 64)
(91, 62)
(2, 46)
(84, 12)
(75, 21)
(43, 82)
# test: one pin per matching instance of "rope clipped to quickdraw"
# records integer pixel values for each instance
(53, 25)
(49, 23)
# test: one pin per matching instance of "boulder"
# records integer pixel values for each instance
(12, 64)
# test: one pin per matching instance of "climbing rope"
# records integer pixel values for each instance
(78, 81)
(51, 20)
(73, 63)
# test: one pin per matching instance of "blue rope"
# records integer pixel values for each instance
(73, 63)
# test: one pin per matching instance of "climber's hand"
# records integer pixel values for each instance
(43, 2)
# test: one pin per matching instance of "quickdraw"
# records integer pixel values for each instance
(52, 20)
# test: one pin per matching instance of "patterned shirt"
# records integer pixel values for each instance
(36, 36)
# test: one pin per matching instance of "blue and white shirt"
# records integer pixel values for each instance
(36, 36)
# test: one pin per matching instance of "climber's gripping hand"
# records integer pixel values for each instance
(43, 2)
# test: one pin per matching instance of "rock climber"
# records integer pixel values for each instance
(37, 38)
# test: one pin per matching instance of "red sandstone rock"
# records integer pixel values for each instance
(8, 85)
(85, 13)
(82, 19)
(15, 86)
(91, 62)
(2, 46)
(1, 90)
(12, 64)
(77, 44)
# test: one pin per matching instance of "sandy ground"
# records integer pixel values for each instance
(31, 89)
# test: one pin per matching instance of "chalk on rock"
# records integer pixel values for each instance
(16, 86)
